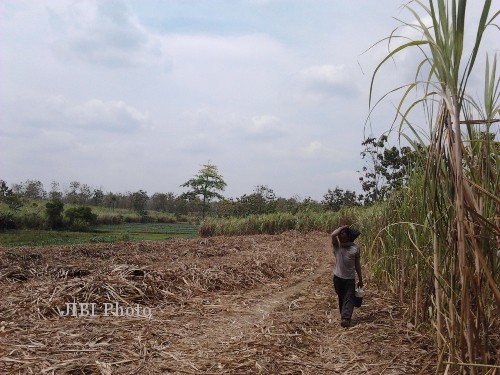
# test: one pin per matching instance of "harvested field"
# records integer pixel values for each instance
(222, 305)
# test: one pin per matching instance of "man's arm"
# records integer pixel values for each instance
(335, 234)
(357, 264)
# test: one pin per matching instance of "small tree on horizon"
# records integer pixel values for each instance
(207, 183)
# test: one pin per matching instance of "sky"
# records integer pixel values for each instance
(128, 95)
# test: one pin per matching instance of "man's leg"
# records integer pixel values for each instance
(339, 286)
(348, 302)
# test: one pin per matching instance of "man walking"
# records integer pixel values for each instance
(347, 264)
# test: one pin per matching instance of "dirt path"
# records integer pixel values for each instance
(245, 305)
(292, 327)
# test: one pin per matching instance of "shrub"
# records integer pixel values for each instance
(54, 210)
(7, 221)
(145, 218)
(79, 225)
(32, 220)
(81, 217)
(110, 219)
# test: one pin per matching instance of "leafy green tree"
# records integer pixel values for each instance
(388, 168)
(80, 217)
(335, 199)
(165, 202)
(85, 194)
(182, 207)
(206, 184)
(33, 189)
(72, 194)
(54, 210)
(9, 197)
(110, 200)
(54, 193)
(139, 200)
(261, 201)
(310, 205)
(287, 204)
(97, 197)
(4, 189)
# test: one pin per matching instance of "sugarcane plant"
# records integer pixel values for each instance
(460, 179)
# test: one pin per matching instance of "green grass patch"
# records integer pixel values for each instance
(149, 228)
(101, 233)
(30, 237)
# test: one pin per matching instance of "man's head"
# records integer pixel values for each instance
(344, 235)
(348, 234)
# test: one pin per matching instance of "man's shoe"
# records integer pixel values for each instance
(345, 322)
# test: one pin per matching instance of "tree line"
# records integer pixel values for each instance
(207, 200)
(386, 170)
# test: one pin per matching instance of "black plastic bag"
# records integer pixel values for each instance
(353, 233)
(358, 301)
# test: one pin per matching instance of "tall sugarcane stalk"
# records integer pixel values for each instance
(459, 207)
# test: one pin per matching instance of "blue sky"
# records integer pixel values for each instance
(129, 95)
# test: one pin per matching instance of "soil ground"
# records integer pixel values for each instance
(222, 305)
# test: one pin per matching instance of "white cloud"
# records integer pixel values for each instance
(312, 148)
(324, 73)
(57, 112)
(333, 150)
(103, 33)
(266, 127)
(247, 72)
(327, 82)
(107, 115)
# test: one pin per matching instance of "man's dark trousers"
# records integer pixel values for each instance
(345, 289)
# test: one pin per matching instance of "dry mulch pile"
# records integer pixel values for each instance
(222, 305)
